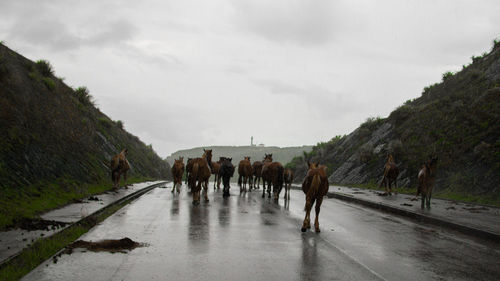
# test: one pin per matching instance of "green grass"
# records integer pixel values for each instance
(51, 85)
(469, 198)
(442, 194)
(31, 201)
(45, 248)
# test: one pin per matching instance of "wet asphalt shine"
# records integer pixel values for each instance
(246, 237)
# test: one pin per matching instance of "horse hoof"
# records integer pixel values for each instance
(196, 203)
(317, 230)
(303, 229)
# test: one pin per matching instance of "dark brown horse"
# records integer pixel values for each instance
(199, 175)
(426, 179)
(189, 167)
(288, 179)
(119, 165)
(177, 172)
(391, 173)
(226, 172)
(215, 172)
(315, 187)
(245, 172)
(257, 173)
(272, 173)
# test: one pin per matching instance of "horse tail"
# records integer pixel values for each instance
(314, 188)
(194, 174)
(239, 180)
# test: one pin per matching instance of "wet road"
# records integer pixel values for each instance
(246, 237)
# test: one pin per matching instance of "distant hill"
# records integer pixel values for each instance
(55, 145)
(457, 119)
(282, 154)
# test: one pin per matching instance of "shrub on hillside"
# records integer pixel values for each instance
(371, 123)
(447, 75)
(44, 67)
(83, 95)
(119, 123)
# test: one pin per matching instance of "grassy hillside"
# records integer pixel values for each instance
(55, 144)
(456, 119)
(256, 153)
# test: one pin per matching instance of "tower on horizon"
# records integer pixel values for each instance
(251, 141)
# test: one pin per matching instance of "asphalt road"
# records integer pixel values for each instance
(245, 237)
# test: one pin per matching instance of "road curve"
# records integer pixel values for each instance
(245, 237)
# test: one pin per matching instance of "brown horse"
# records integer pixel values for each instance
(272, 173)
(245, 172)
(315, 187)
(189, 167)
(426, 179)
(199, 175)
(391, 173)
(257, 173)
(177, 172)
(288, 179)
(119, 165)
(215, 171)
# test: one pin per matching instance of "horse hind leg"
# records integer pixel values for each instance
(318, 207)
(205, 191)
(307, 221)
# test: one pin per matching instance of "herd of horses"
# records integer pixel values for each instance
(273, 175)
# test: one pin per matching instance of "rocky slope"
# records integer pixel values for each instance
(54, 140)
(458, 120)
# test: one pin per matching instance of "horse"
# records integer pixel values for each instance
(119, 165)
(215, 172)
(391, 173)
(189, 167)
(245, 172)
(177, 172)
(257, 173)
(226, 172)
(288, 179)
(426, 179)
(315, 186)
(272, 173)
(199, 176)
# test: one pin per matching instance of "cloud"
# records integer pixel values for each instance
(278, 87)
(300, 22)
(57, 36)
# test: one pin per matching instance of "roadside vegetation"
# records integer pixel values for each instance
(44, 248)
(456, 119)
(56, 144)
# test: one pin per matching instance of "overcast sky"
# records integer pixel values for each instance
(181, 74)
